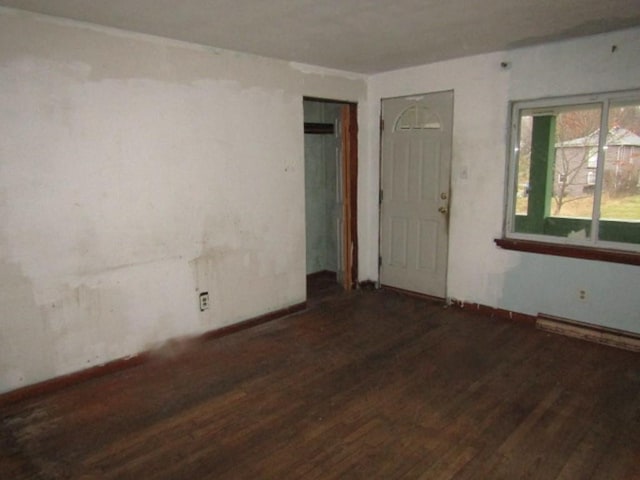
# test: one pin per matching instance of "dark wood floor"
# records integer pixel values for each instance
(363, 385)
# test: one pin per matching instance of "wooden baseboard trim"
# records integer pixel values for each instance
(591, 333)
(495, 312)
(483, 310)
(253, 322)
(58, 383)
(64, 381)
(409, 293)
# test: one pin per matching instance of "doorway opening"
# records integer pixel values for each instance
(331, 166)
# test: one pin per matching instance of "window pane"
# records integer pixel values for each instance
(417, 118)
(576, 156)
(570, 162)
(620, 204)
(556, 168)
(524, 164)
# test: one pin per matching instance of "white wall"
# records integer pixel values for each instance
(478, 270)
(134, 173)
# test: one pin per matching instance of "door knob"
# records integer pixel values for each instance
(442, 210)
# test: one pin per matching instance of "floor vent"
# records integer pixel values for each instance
(592, 333)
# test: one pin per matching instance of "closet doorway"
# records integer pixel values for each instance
(330, 150)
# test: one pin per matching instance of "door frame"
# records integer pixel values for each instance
(380, 158)
(349, 165)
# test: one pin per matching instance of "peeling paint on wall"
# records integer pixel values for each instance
(135, 172)
(26, 351)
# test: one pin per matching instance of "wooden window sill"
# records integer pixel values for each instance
(587, 253)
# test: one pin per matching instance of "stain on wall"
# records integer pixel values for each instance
(134, 173)
(26, 350)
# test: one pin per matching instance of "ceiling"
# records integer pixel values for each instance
(366, 36)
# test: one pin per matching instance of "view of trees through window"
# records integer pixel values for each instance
(577, 139)
(562, 173)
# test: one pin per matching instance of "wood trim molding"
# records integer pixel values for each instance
(572, 251)
(571, 328)
(494, 312)
(592, 333)
(64, 381)
(252, 322)
(484, 310)
(58, 383)
(349, 138)
(409, 293)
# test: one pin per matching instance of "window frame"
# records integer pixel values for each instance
(588, 247)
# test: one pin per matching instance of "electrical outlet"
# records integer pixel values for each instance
(204, 301)
(582, 294)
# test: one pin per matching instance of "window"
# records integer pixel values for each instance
(417, 117)
(574, 172)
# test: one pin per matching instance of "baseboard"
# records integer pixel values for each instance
(58, 383)
(571, 328)
(252, 322)
(494, 312)
(409, 293)
(591, 333)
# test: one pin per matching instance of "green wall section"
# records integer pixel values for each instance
(541, 174)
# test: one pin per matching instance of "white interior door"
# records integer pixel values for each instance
(415, 182)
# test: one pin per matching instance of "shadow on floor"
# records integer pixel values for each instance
(322, 286)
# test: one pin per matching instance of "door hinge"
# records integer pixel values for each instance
(380, 198)
(379, 261)
(381, 124)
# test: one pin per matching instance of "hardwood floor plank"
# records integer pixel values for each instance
(361, 385)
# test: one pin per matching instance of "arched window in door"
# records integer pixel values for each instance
(417, 117)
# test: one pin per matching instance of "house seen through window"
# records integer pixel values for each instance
(575, 171)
